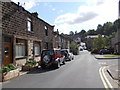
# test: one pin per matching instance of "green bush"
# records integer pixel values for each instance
(34, 62)
(31, 62)
(11, 66)
(5, 69)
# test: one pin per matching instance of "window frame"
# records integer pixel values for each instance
(46, 30)
(20, 45)
(29, 25)
(36, 44)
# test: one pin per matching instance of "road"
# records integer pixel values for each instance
(82, 72)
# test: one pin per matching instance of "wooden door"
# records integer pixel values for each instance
(7, 53)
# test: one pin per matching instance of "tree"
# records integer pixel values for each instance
(71, 33)
(91, 32)
(75, 32)
(74, 48)
(99, 29)
(99, 42)
(107, 28)
(82, 32)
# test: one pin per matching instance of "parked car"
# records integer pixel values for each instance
(95, 51)
(68, 54)
(52, 57)
(81, 49)
(105, 51)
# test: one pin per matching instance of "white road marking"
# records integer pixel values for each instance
(107, 79)
(104, 83)
(104, 79)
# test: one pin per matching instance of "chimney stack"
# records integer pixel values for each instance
(35, 14)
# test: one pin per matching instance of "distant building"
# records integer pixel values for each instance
(60, 41)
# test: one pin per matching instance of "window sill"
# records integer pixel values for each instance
(18, 58)
(30, 31)
(37, 55)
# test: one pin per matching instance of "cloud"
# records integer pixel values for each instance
(75, 18)
(89, 15)
(28, 3)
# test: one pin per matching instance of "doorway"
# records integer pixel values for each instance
(7, 51)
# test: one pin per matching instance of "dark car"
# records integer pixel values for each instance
(105, 51)
(52, 57)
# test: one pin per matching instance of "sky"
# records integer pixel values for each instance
(73, 15)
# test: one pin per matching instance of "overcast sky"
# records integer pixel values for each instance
(73, 15)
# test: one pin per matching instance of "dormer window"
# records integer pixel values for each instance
(46, 30)
(29, 24)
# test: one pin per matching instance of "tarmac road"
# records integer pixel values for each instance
(82, 72)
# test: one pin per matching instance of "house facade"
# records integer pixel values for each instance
(60, 41)
(116, 42)
(24, 35)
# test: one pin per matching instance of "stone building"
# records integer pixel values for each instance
(24, 35)
(116, 42)
(60, 41)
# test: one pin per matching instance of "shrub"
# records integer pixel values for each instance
(31, 62)
(5, 69)
(11, 66)
(34, 62)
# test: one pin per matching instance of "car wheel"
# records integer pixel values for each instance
(69, 59)
(73, 58)
(63, 61)
(58, 64)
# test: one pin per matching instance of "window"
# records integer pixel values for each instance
(36, 48)
(20, 48)
(46, 30)
(58, 52)
(29, 24)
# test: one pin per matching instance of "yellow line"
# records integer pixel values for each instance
(107, 79)
(104, 83)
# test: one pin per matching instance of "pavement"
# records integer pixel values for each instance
(113, 70)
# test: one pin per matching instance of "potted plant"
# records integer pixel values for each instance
(30, 65)
(9, 72)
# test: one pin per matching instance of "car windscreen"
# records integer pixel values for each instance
(62, 52)
(48, 52)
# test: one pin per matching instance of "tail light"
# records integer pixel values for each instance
(68, 54)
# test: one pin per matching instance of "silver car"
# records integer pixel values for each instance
(68, 55)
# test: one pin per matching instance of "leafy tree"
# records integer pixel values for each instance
(71, 33)
(99, 42)
(75, 32)
(91, 32)
(99, 29)
(82, 32)
(107, 28)
(74, 48)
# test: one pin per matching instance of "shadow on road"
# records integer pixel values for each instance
(40, 70)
